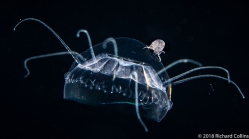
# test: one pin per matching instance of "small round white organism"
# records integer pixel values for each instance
(157, 46)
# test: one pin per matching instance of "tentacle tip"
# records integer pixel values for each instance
(25, 76)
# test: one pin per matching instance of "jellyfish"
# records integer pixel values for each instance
(120, 74)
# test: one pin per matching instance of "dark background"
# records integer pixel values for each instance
(212, 32)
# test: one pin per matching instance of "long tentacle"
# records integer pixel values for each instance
(55, 34)
(179, 62)
(48, 55)
(209, 75)
(136, 102)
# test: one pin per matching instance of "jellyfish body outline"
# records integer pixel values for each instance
(80, 60)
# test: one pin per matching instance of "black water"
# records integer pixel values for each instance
(213, 33)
